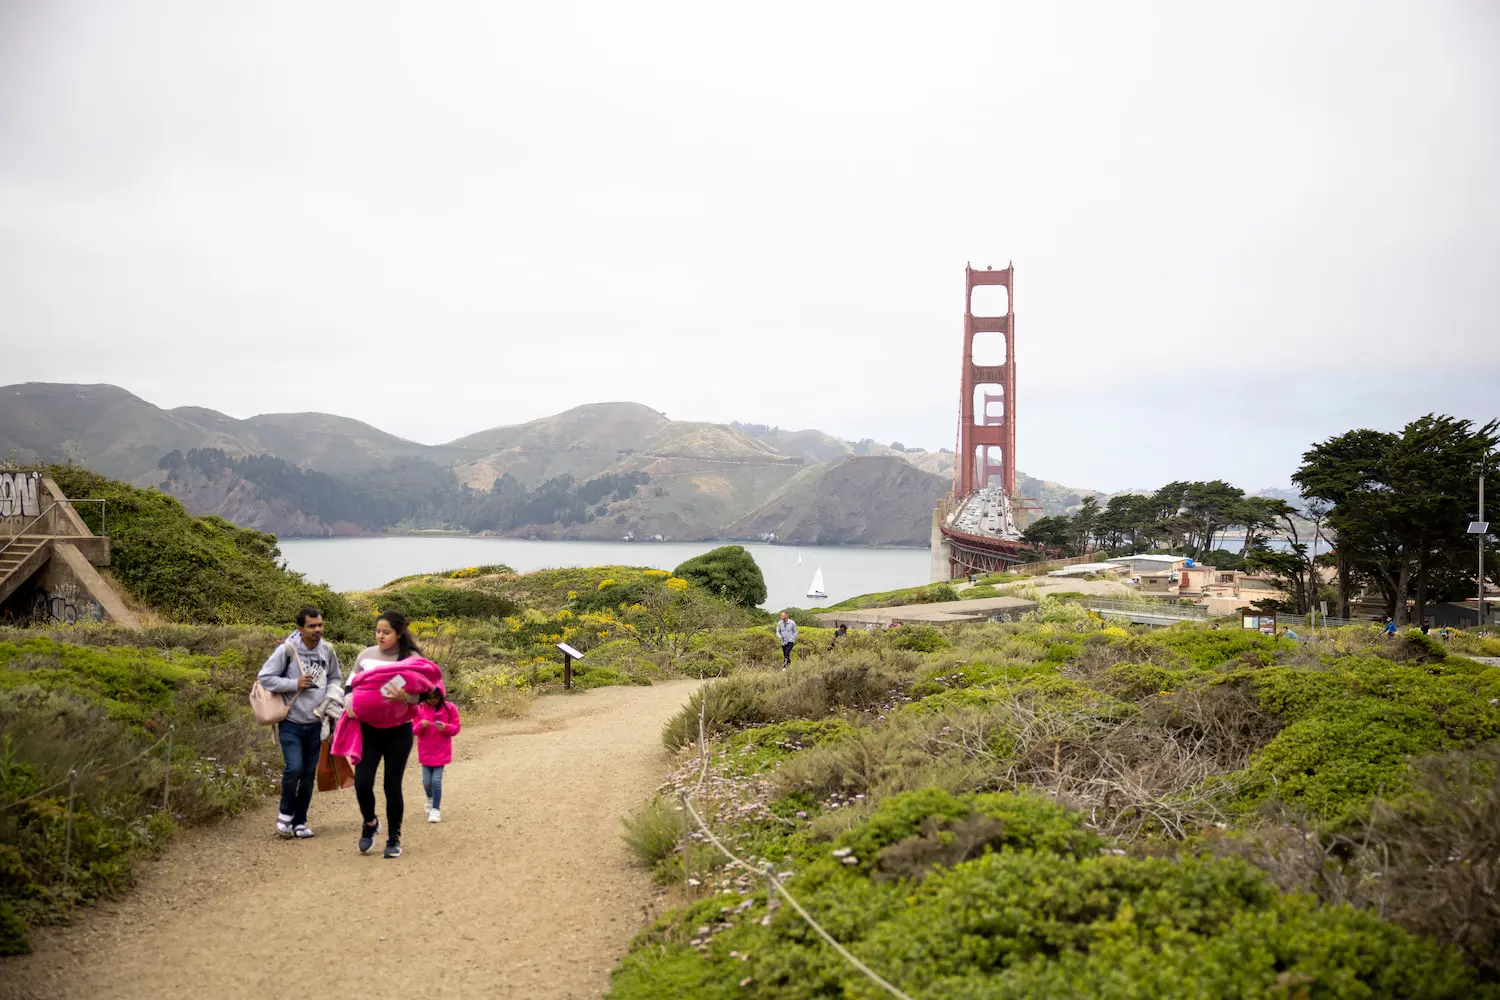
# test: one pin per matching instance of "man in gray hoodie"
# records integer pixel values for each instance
(786, 634)
(302, 668)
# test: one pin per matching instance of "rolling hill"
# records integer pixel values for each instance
(866, 500)
(601, 471)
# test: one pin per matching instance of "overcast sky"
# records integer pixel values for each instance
(1237, 228)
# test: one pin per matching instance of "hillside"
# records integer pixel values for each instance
(597, 438)
(102, 427)
(321, 441)
(318, 474)
(866, 500)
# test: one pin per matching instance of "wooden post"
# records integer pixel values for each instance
(567, 672)
(166, 786)
(687, 863)
(68, 835)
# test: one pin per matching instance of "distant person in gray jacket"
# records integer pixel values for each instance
(786, 632)
(304, 667)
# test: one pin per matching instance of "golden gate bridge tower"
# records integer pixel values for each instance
(987, 394)
(975, 530)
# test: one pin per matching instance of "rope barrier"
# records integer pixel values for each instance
(770, 876)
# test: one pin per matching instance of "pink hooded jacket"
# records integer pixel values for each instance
(374, 708)
(434, 745)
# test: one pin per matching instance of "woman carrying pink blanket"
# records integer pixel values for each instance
(387, 681)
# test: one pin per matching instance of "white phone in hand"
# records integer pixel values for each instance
(394, 687)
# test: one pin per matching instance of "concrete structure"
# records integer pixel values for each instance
(1084, 569)
(941, 570)
(1150, 563)
(48, 555)
(942, 613)
(1204, 579)
(1156, 582)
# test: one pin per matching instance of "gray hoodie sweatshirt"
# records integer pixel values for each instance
(290, 661)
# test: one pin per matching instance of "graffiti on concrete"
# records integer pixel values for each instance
(20, 494)
(65, 603)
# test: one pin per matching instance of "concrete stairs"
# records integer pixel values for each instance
(23, 556)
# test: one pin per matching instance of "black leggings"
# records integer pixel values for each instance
(393, 746)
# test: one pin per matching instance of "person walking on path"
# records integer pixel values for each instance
(303, 667)
(393, 642)
(838, 634)
(786, 633)
(436, 724)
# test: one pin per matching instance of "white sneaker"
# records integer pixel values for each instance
(434, 816)
(303, 831)
(429, 805)
(284, 827)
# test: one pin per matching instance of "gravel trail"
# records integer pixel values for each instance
(523, 890)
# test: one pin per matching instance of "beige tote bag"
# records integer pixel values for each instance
(268, 706)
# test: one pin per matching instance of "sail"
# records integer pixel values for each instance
(816, 589)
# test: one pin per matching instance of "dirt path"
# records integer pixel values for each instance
(523, 890)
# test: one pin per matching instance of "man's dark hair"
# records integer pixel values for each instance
(306, 613)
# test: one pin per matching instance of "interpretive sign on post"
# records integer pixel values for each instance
(1264, 623)
(569, 655)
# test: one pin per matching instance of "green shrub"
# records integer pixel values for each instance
(1025, 822)
(436, 600)
(1037, 913)
(105, 711)
(856, 681)
(754, 750)
(918, 638)
(653, 831)
(1331, 766)
(729, 572)
(197, 569)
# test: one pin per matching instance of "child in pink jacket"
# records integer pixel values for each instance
(436, 724)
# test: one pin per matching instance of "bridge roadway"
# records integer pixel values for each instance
(971, 553)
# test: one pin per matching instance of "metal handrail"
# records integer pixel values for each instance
(103, 523)
(1198, 611)
(1147, 607)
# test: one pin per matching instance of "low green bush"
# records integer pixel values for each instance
(1035, 911)
(197, 569)
(105, 711)
(448, 601)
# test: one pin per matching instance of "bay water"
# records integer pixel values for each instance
(364, 563)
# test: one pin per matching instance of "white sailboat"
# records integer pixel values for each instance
(816, 589)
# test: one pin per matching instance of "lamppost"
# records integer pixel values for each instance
(1481, 527)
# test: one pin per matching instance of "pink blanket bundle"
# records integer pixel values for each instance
(369, 705)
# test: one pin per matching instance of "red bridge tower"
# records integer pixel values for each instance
(987, 406)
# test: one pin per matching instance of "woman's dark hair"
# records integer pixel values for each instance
(405, 644)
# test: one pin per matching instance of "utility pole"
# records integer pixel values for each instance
(1481, 528)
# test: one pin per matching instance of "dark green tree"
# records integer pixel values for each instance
(728, 572)
(1401, 504)
(1054, 533)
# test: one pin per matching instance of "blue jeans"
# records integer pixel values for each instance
(300, 743)
(432, 784)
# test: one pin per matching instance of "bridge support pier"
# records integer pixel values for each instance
(942, 550)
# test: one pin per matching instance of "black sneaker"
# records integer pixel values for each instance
(393, 848)
(367, 836)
